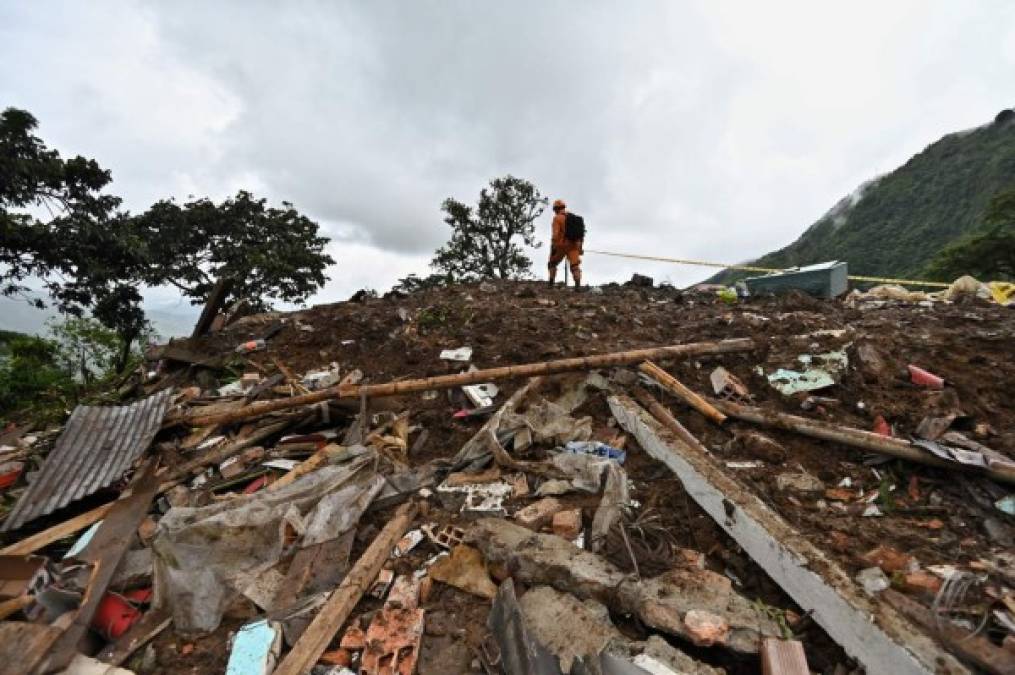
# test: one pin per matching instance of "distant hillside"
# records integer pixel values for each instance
(894, 224)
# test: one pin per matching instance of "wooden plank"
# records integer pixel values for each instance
(104, 552)
(666, 417)
(57, 532)
(214, 303)
(141, 633)
(339, 606)
(880, 638)
(859, 438)
(198, 418)
(783, 657)
(678, 389)
(19, 641)
(974, 648)
(311, 463)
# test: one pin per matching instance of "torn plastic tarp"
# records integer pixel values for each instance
(205, 556)
(789, 382)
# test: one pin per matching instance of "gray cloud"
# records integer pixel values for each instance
(694, 130)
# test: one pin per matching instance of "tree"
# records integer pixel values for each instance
(265, 252)
(986, 255)
(86, 253)
(483, 240)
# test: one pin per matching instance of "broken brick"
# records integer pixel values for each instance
(921, 581)
(840, 494)
(567, 524)
(459, 479)
(889, 559)
(354, 638)
(538, 514)
(705, 628)
(336, 657)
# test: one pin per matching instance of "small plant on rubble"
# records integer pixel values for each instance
(484, 240)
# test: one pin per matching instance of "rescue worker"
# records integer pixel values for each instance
(561, 247)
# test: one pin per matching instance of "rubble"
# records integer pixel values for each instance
(675, 524)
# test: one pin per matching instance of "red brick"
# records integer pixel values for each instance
(567, 524)
(538, 514)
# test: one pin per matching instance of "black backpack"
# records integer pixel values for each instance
(574, 227)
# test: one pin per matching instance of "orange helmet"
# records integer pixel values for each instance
(559, 204)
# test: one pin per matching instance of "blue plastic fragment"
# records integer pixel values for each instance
(596, 449)
(255, 649)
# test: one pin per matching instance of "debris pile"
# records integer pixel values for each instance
(637, 480)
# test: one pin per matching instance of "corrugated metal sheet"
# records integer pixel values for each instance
(96, 448)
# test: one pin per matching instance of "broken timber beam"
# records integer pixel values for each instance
(104, 552)
(195, 418)
(677, 388)
(212, 306)
(57, 532)
(858, 438)
(343, 599)
(666, 417)
(876, 635)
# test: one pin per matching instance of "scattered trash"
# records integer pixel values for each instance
(256, 649)
(924, 378)
(881, 427)
(1006, 504)
(789, 382)
(478, 500)
(407, 543)
(464, 569)
(873, 580)
(251, 346)
(382, 584)
(799, 482)
(463, 354)
(595, 449)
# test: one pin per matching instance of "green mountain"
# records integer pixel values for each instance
(894, 224)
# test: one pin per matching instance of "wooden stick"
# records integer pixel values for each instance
(303, 468)
(978, 649)
(343, 600)
(8, 607)
(57, 532)
(857, 438)
(677, 388)
(660, 412)
(783, 657)
(288, 375)
(197, 418)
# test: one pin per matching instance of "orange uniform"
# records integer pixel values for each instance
(561, 247)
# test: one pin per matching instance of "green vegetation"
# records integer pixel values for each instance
(483, 240)
(47, 375)
(904, 219)
(988, 255)
(59, 225)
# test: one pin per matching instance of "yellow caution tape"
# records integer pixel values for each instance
(750, 268)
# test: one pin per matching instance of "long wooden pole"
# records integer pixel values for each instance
(677, 388)
(196, 418)
(857, 438)
(57, 532)
(343, 600)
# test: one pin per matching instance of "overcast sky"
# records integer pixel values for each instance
(706, 130)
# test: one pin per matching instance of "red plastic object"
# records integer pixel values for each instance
(924, 378)
(255, 485)
(882, 427)
(8, 479)
(114, 616)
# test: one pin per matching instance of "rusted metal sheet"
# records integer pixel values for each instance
(96, 448)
